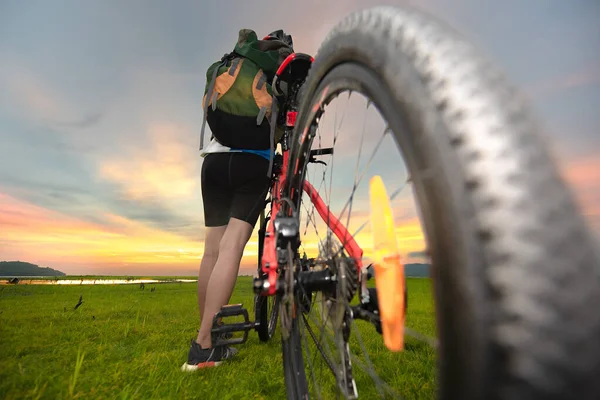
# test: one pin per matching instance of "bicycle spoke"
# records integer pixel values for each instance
(364, 171)
(355, 185)
(419, 336)
(322, 332)
(392, 197)
(320, 348)
(325, 351)
(311, 214)
(370, 369)
(311, 365)
(336, 132)
(323, 346)
(332, 357)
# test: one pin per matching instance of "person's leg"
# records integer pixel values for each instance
(224, 274)
(246, 176)
(217, 198)
(209, 258)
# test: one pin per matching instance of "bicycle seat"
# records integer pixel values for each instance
(292, 72)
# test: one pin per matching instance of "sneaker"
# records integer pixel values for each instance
(204, 358)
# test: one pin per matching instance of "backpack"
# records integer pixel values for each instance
(238, 102)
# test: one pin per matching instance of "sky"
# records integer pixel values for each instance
(100, 114)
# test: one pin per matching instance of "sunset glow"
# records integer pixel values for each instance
(99, 127)
(53, 239)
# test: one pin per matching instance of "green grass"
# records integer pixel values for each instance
(128, 343)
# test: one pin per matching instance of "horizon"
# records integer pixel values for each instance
(242, 272)
(99, 127)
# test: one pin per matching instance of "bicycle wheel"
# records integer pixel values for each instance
(266, 308)
(514, 269)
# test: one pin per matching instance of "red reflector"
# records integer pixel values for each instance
(291, 118)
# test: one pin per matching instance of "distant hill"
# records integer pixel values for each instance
(19, 268)
(416, 270)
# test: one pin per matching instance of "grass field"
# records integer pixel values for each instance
(128, 343)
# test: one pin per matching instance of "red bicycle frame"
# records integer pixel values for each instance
(269, 263)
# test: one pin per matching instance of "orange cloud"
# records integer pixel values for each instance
(583, 172)
(122, 246)
(38, 223)
(35, 234)
(584, 177)
(168, 169)
(118, 246)
(589, 75)
(409, 235)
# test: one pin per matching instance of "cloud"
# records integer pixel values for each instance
(59, 240)
(103, 140)
(39, 105)
(85, 122)
(90, 201)
(583, 175)
(420, 253)
(409, 236)
(162, 166)
(52, 189)
(156, 213)
(586, 76)
(33, 96)
(138, 163)
(157, 181)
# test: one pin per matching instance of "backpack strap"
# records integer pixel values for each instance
(261, 115)
(234, 65)
(211, 98)
(259, 85)
(262, 80)
(274, 112)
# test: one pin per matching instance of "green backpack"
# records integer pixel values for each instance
(238, 99)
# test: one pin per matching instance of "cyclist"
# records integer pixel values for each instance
(234, 175)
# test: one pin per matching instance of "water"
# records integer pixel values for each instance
(100, 281)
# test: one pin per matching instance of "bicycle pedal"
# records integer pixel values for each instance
(231, 310)
(219, 329)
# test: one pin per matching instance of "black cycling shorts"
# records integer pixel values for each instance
(234, 185)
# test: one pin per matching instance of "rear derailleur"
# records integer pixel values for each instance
(368, 310)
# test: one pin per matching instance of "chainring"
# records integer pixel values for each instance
(343, 268)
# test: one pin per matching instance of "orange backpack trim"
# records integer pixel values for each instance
(224, 82)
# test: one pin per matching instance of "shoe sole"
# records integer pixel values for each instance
(191, 367)
(209, 364)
